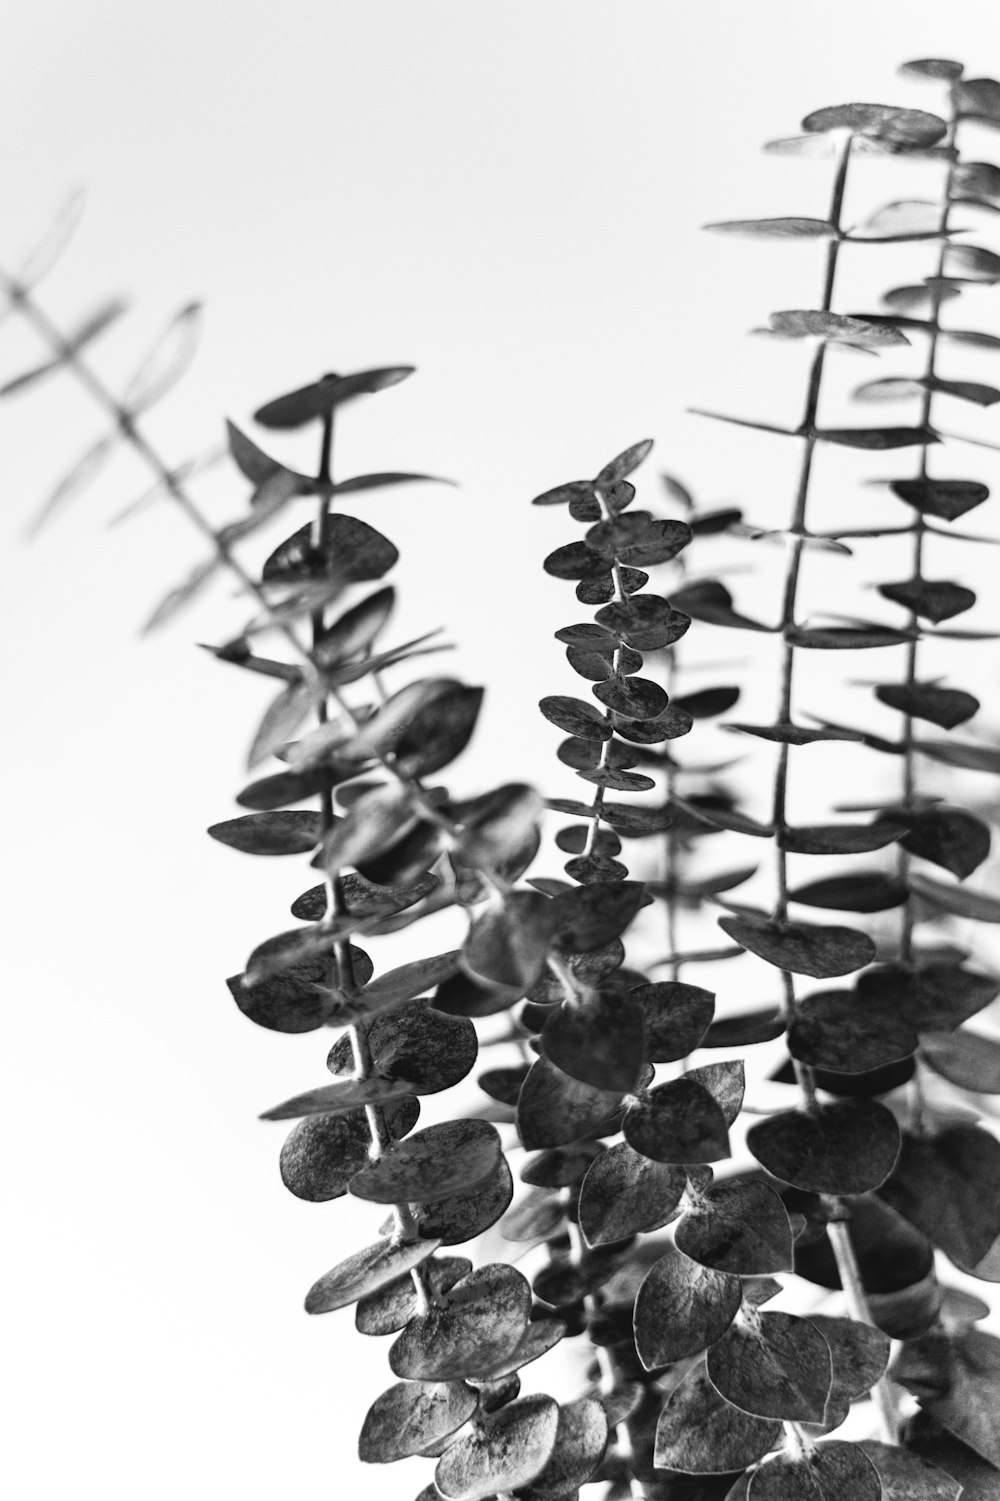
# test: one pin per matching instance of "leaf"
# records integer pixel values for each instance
(623, 464)
(740, 1226)
(668, 726)
(316, 400)
(632, 697)
(956, 753)
(933, 996)
(956, 1378)
(675, 1018)
(823, 953)
(540, 1336)
(283, 717)
(945, 70)
(859, 891)
(581, 1438)
(598, 1040)
(975, 182)
(841, 838)
(718, 817)
(590, 916)
(539, 1216)
(933, 599)
(397, 986)
(559, 1167)
(848, 1147)
(945, 1186)
(380, 481)
(903, 127)
(394, 1305)
(554, 1110)
(773, 1366)
(462, 1217)
(86, 469)
(678, 1122)
(682, 1308)
(932, 1442)
(946, 499)
(576, 717)
(354, 632)
(971, 262)
(167, 361)
(958, 900)
(945, 707)
(624, 1194)
(902, 219)
(284, 833)
(839, 1032)
(792, 734)
(711, 602)
(365, 1272)
(781, 229)
(506, 1451)
(861, 333)
(322, 1153)
(833, 1471)
(907, 1477)
(292, 1001)
(424, 726)
(354, 553)
(700, 1433)
(508, 943)
(334, 1099)
(950, 837)
(725, 1082)
(967, 1059)
(412, 1416)
(482, 1321)
(860, 1355)
(452, 1157)
(706, 703)
(745, 1030)
(644, 621)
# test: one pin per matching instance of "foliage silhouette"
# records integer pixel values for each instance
(694, 1386)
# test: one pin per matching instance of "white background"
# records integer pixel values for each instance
(509, 197)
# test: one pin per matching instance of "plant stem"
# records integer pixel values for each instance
(857, 1307)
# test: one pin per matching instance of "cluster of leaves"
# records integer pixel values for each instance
(695, 1387)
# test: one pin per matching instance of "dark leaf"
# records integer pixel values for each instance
(700, 1433)
(364, 904)
(283, 717)
(935, 996)
(675, 1017)
(860, 891)
(581, 1437)
(841, 838)
(506, 1451)
(322, 1153)
(411, 1416)
(834, 327)
(334, 1099)
(576, 717)
(846, 1148)
(833, 1471)
(903, 127)
(668, 726)
(781, 229)
(972, 263)
(838, 1031)
(393, 1306)
(823, 953)
(270, 833)
(946, 707)
(356, 630)
(792, 734)
(845, 638)
(397, 986)
(933, 1442)
(561, 495)
(644, 621)
(508, 944)
(482, 1321)
(626, 1194)
(589, 917)
(678, 1122)
(292, 1001)
(932, 599)
(945, 70)
(712, 603)
(316, 400)
(461, 1217)
(554, 1110)
(955, 753)
(907, 1477)
(380, 481)
(720, 817)
(633, 698)
(956, 1379)
(560, 1166)
(968, 1059)
(725, 1082)
(946, 499)
(598, 1040)
(773, 1366)
(681, 1309)
(707, 703)
(452, 1157)
(958, 900)
(539, 1337)
(539, 1216)
(740, 1227)
(365, 1272)
(860, 1355)
(623, 464)
(285, 787)
(461, 995)
(945, 1185)
(949, 837)
(743, 1031)
(877, 437)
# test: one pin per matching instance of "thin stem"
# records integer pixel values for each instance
(857, 1308)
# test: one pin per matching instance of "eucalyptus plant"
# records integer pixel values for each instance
(652, 1257)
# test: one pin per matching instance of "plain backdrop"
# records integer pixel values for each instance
(508, 196)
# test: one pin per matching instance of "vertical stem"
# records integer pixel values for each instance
(857, 1307)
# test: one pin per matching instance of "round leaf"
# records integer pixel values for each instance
(945, 1185)
(678, 1122)
(365, 1272)
(626, 1194)
(846, 1148)
(681, 1309)
(834, 1471)
(462, 1217)
(773, 1365)
(508, 1450)
(322, 1153)
(804, 949)
(485, 1315)
(700, 1433)
(675, 1016)
(837, 1031)
(598, 1040)
(452, 1157)
(741, 1227)
(418, 1043)
(581, 1437)
(411, 1416)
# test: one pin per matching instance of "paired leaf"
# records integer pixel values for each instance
(678, 1122)
(945, 1185)
(411, 1417)
(956, 1379)
(833, 1471)
(554, 1110)
(509, 942)
(365, 1272)
(936, 996)
(804, 949)
(598, 1040)
(711, 602)
(316, 400)
(624, 1194)
(507, 1450)
(323, 1153)
(453, 1157)
(482, 1321)
(681, 1309)
(965, 1058)
(700, 1433)
(958, 900)
(740, 1226)
(848, 1147)
(773, 1365)
(839, 1032)
(945, 707)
